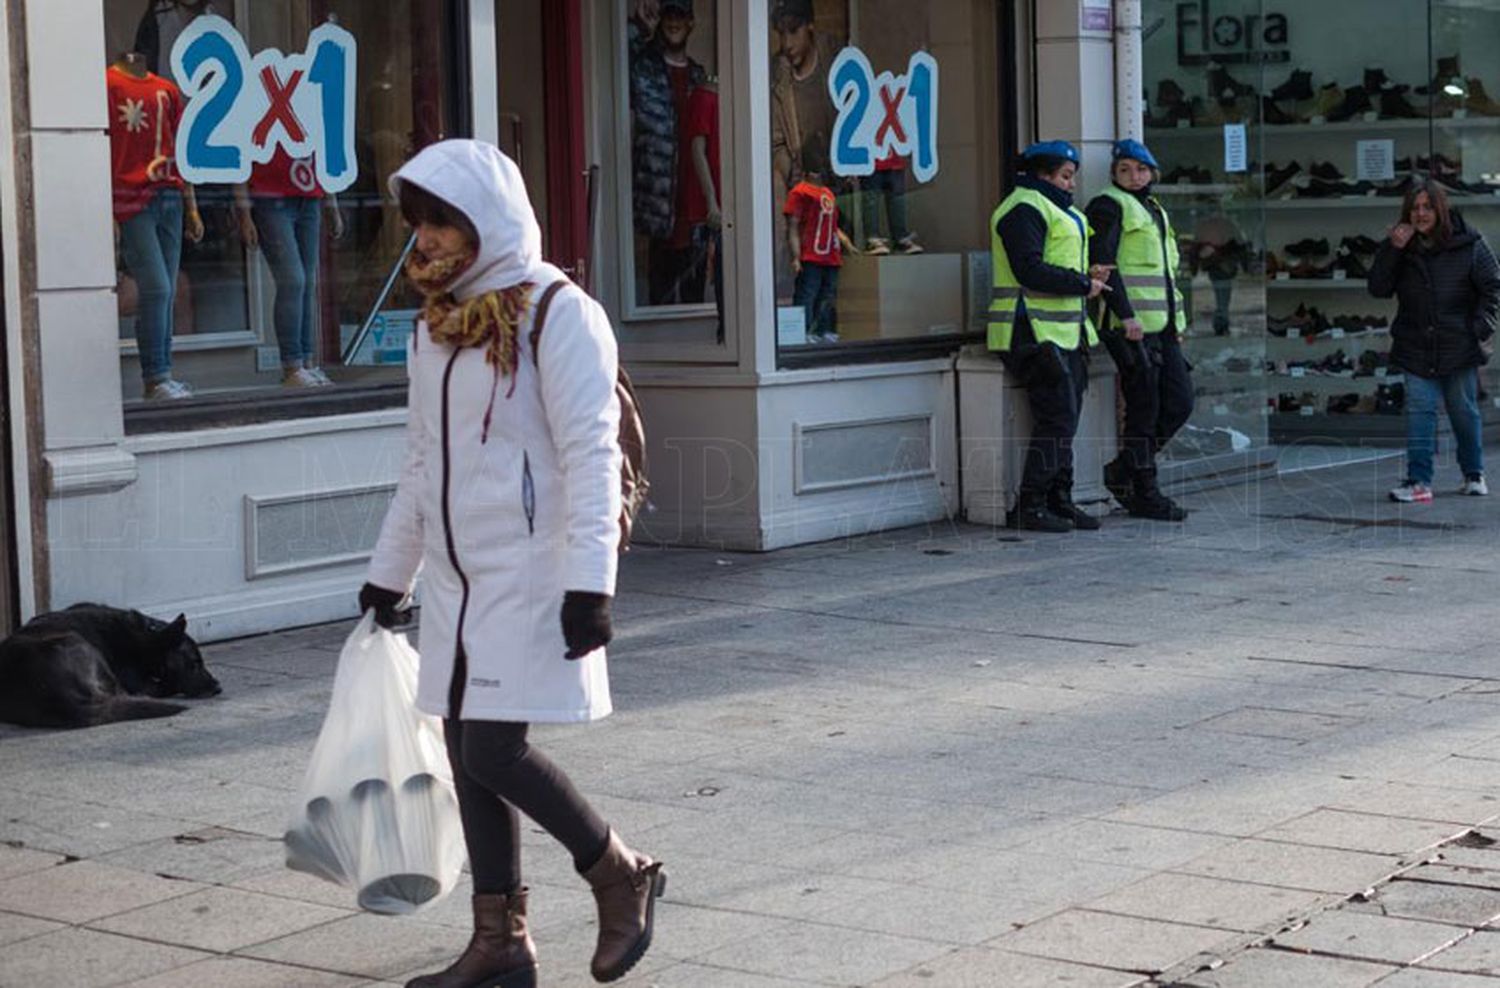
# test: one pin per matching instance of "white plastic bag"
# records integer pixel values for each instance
(376, 811)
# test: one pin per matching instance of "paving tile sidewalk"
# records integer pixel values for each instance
(939, 757)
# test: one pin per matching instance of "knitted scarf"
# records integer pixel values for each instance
(491, 320)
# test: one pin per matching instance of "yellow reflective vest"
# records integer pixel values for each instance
(1057, 319)
(1147, 264)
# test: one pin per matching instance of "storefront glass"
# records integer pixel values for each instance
(270, 284)
(1334, 133)
(886, 164)
(674, 186)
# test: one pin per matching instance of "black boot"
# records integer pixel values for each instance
(1117, 479)
(1031, 513)
(1060, 503)
(1147, 500)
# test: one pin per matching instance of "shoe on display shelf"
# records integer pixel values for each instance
(1350, 265)
(1277, 177)
(877, 246)
(1223, 86)
(1298, 86)
(1447, 74)
(1480, 101)
(908, 245)
(1411, 492)
(1328, 99)
(1394, 105)
(1375, 80)
(1342, 404)
(1390, 399)
(1356, 101)
(1360, 244)
(1275, 115)
(1474, 486)
(1308, 247)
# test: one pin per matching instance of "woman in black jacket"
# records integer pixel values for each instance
(1447, 286)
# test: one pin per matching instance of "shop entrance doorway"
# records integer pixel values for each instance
(541, 127)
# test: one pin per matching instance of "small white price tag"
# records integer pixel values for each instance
(1299, 371)
(1283, 276)
(1184, 123)
(1221, 410)
(1340, 275)
(1336, 333)
(1371, 116)
(1460, 113)
(1307, 412)
(1381, 373)
(1495, 401)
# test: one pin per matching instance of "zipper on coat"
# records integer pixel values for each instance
(460, 658)
(528, 493)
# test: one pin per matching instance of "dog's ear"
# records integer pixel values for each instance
(173, 634)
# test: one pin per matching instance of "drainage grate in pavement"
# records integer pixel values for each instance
(1437, 923)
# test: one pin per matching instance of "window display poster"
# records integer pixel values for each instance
(1236, 148)
(1375, 161)
(884, 115)
(241, 109)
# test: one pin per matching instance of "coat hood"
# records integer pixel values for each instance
(486, 186)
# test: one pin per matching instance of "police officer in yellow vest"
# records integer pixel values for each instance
(1039, 326)
(1142, 323)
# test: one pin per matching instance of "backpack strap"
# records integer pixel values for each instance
(540, 318)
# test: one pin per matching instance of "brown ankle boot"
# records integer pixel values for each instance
(499, 955)
(626, 885)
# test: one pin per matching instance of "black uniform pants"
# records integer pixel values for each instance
(496, 772)
(1055, 409)
(1158, 392)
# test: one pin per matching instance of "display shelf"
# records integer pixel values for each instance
(1343, 126)
(1319, 284)
(1392, 203)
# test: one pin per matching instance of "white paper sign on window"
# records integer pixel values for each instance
(1236, 149)
(1374, 161)
(240, 108)
(884, 115)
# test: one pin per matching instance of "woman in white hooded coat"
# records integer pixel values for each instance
(509, 503)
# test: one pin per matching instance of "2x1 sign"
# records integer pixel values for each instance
(884, 115)
(240, 109)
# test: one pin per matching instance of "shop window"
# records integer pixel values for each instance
(276, 286)
(886, 164)
(672, 241)
(1279, 137)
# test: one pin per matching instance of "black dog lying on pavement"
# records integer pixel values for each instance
(78, 667)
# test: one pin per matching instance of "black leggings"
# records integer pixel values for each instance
(496, 773)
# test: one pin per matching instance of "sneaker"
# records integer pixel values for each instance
(323, 379)
(877, 246)
(908, 245)
(1475, 486)
(1411, 492)
(167, 390)
(300, 377)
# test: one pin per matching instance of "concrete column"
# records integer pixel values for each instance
(1075, 70)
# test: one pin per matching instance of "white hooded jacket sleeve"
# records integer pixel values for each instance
(398, 551)
(578, 361)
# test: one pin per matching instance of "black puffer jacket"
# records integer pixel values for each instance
(1447, 301)
(654, 134)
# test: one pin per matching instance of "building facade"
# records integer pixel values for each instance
(783, 204)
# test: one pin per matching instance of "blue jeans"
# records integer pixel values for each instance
(1460, 393)
(886, 188)
(291, 230)
(151, 244)
(816, 291)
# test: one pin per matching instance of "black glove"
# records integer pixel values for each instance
(585, 622)
(384, 602)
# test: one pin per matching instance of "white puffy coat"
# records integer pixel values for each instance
(503, 527)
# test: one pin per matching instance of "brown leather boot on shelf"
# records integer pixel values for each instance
(626, 886)
(499, 955)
